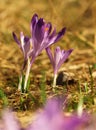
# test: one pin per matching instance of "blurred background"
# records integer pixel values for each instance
(76, 15)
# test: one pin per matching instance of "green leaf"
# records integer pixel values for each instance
(4, 98)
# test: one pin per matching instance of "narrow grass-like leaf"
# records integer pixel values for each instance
(22, 84)
(91, 79)
(3, 98)
(28, 85)
(43, 86)
(86, 87)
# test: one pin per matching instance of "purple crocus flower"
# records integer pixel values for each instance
(57, 60)
(24, 45)
(42, 35)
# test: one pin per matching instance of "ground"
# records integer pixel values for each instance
(77, 75)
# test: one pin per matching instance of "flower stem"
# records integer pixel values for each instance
(54, 82)
(27, 75)
(20, 83)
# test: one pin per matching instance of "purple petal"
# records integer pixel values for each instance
(66, 54)
(60, 34)
(39, 32)
(48, 28)
(34, 21)
(38, 36)
(26, 39)
(16, 39)
(22, 40)
(52, 38)
(64, 57)
(52, 34)
(57, 56)
(33, 28)
(26, 46)
(50, 55)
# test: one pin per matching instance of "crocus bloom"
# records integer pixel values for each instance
(50, 118)
(24, 45)
(57, 60)
(42, 37)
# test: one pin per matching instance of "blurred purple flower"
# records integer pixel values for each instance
(42, 35)
(9, 121)
(53, 118)
(50, 118)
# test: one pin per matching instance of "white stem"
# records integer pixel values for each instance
(54, 82)
(20, 82)
(27, 74)
(80, 106)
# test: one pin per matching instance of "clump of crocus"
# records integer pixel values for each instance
(42, 37)
(50, 118)
(57, 60)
